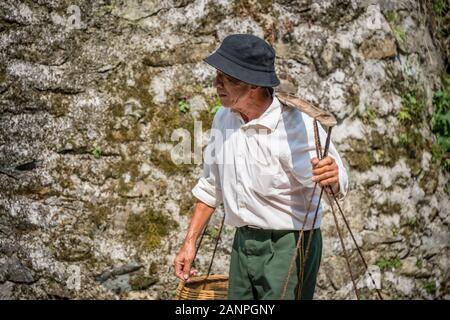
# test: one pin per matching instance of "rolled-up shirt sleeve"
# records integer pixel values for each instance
(304, 149)
(208, 187)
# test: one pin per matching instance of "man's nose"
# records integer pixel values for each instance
(217, 82)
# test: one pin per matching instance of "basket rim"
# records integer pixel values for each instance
(213, 277)
(196, 279)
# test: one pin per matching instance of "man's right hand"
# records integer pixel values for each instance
(183, 262)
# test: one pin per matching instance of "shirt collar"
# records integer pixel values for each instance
(269, 119)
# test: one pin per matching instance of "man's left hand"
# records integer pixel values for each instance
(326, 173)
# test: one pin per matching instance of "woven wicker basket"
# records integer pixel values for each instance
(215, 287)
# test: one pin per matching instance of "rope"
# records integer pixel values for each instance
(214, 252)
(300, 284)
(308, 246)
(347, 260)
(297, 248)
(354, 240)
(215, 248)
(300, 242)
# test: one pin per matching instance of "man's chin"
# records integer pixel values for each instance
(224, 104)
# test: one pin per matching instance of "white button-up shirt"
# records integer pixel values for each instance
(261, 170)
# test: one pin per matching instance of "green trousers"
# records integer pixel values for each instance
(260, 261)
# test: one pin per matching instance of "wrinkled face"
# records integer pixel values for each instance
(232, 92)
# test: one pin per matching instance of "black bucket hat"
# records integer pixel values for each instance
(247, 58)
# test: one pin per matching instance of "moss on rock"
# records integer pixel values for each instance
(142, 282)
(389, 207)
(148, 229)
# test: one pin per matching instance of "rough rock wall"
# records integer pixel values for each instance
(91, 205)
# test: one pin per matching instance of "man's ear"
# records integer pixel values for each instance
(253, 90)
